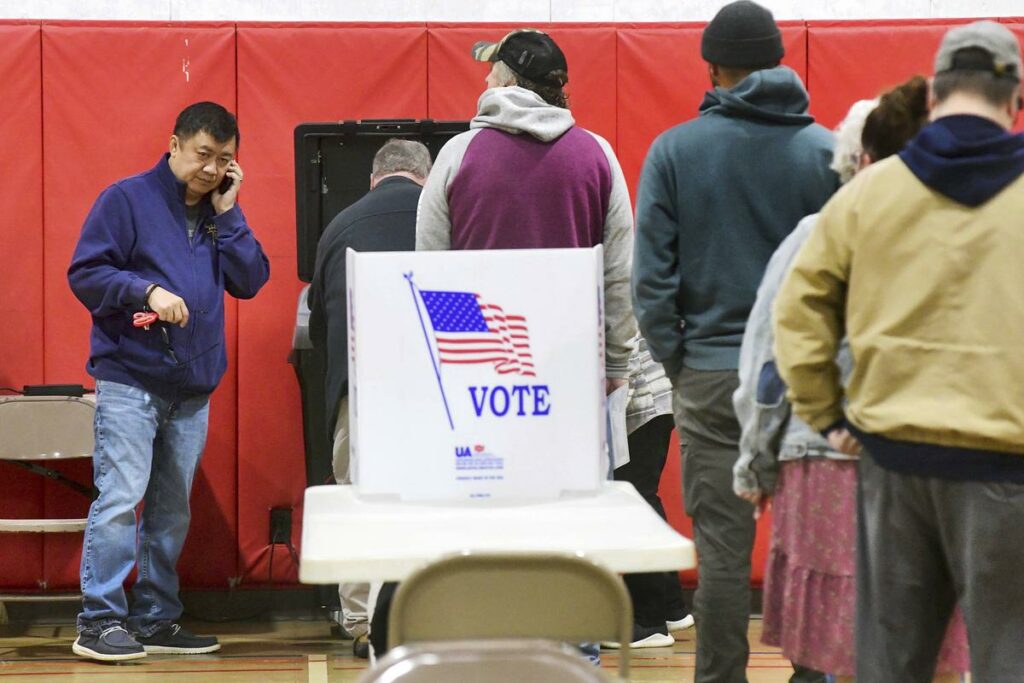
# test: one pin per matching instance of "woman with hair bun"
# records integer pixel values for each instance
(810, 586)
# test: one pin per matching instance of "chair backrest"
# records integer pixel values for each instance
(484, 596)
(497, 661)
(46, 427)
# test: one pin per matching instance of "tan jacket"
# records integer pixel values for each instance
(931, 296)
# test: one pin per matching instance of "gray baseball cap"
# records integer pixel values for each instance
(992, 37)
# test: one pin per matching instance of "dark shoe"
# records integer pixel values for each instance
(644, 636)
(112, 644)
(361, 646)
(172, 639)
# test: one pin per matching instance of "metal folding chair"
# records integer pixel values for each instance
(34, 432)
(497, 661)
(470, 596)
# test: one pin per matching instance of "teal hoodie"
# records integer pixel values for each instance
(717, 196)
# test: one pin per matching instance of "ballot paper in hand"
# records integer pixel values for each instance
(618, 440)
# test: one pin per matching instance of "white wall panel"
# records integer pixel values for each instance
(299, 10)
(850, 9)
(518, 11)
(583, 10)
(514, 11)
(977, 8)
(121, 10)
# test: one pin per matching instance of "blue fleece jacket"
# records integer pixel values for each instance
(135, 235)
(717, 195)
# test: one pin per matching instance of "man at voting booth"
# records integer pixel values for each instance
(383, 220)
(155, 256)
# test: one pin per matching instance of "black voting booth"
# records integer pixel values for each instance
(332, 170)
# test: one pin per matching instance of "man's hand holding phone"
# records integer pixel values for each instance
(226, 194)
(169, 307)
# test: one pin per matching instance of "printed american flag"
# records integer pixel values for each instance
(469, 330)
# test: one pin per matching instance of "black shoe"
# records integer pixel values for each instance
(361, 646)
(172, 639)
(112, 644)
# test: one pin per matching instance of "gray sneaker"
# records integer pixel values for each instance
(173, 639)
(111, 644)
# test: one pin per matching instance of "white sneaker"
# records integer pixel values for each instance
(680, 624)
(644, 637)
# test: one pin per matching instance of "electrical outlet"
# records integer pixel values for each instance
(281, 526)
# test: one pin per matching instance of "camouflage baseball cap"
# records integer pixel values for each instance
(530, 53)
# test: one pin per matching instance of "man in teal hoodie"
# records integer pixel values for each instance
(717, 195)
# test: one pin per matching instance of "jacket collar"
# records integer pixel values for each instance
(395, 179)
(173, 189)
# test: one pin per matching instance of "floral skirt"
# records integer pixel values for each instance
(810, 587)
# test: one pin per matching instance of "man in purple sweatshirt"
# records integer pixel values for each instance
(525, 176)
(170, 241)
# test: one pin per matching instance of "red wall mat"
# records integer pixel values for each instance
(21, 278)
(110, 97)
(456, 80)
(290, 75)
(858, 60)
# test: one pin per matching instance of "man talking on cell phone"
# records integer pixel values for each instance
(169, 241)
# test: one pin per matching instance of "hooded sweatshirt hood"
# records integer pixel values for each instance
(775, 95)
(518, 110)
(969, 159)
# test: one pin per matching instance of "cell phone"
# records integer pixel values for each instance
(225, 184)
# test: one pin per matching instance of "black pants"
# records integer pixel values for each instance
(657, 596)
(379, 623)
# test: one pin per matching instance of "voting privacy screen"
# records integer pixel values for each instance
(476, 374)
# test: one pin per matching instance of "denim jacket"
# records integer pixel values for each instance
(770, 432)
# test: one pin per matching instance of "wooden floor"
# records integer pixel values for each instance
(296, 652)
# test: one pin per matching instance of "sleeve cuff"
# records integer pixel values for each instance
(838, 424)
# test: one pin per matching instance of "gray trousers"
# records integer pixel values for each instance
(723, 524)
(924, 544)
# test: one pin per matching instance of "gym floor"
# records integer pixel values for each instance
(298, 651)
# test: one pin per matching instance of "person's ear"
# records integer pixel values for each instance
(174, 146)
(714, 75)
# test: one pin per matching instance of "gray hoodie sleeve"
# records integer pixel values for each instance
(760, 402)
(619, 323)
(433, 223)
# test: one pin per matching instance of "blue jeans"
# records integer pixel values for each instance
(147, 450)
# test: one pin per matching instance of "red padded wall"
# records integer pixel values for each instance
(858, 60)
(21, 277)
(110, 95)
(90, 102)
(292, 74)
(456, 80)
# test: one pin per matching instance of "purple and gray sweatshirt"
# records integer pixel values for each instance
(526, 177)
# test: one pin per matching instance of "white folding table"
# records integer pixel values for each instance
(346, 538)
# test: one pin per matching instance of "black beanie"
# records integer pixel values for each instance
(742, 34)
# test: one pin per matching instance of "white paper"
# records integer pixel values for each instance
(618, 439)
